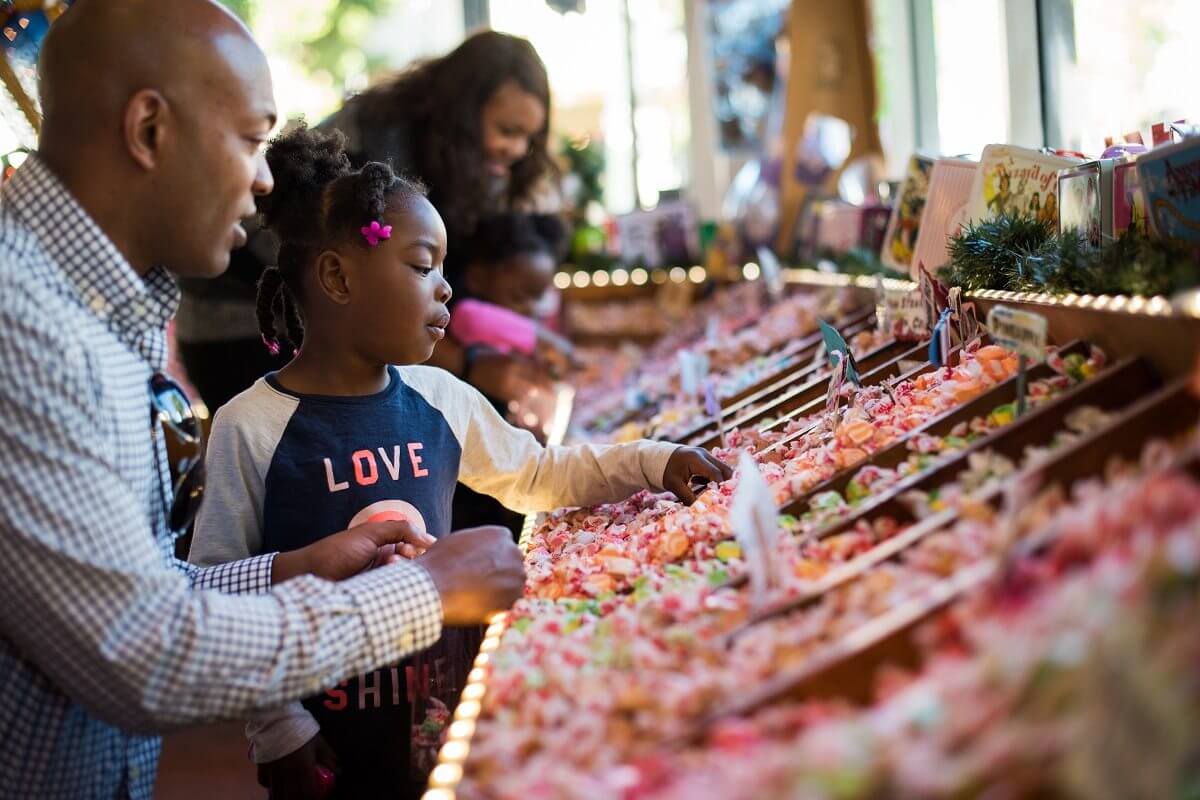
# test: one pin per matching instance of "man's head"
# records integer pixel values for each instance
(155, 117)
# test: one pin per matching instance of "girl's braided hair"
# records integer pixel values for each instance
(319, 202)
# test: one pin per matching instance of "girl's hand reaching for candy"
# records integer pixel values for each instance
(689, 463)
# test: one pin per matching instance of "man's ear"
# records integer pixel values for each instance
(332, 277)
(147, 124)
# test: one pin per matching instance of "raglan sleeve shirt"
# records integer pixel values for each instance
(497, 459)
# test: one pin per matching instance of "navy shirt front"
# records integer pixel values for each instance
(340, 462)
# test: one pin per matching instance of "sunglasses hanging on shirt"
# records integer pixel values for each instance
(171, 408)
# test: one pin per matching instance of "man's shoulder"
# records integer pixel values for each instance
(30, 286)
(21, 255)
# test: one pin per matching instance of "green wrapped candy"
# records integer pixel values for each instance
(855, 491)
(827, 500)
(1003, 415)
(1074, 364)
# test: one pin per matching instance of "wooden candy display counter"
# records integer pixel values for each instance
(898, 519)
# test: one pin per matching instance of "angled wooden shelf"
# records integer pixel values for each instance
(847, 668)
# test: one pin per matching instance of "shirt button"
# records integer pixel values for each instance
(99, 305)
(139, 309)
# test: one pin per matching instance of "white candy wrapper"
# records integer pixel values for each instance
(693, 371)
(837, 377)
(755, 522)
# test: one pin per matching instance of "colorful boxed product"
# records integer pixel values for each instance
(904, 227)
(1016, 180)
(1129, 204)
(839, 228)
(1170, 178)
(875, 220)
(950, 184)
(1085, 200)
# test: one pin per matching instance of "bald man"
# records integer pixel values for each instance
(151, 151)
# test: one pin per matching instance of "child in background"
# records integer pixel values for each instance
(509, 269)
(342, 435)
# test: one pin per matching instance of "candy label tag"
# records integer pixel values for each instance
(939, 342)
(1023, 332)
(882, 322)
(925, 285)
(834, 343)
(755, 523)
(693, 369)
(836, 379)
(772, 272)
(905, 314)
(712, 407)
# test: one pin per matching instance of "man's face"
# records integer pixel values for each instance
(215, 166)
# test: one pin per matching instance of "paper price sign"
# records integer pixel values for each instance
(693, 370)
(881, 317)
(1022, 332)
(754, 518)
(906, 313)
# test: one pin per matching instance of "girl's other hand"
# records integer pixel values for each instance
(505, 377)
(556, 353)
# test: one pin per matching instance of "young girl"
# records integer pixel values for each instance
(340, 436)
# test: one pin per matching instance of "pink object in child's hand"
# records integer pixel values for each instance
(475, 322)
(325, 781)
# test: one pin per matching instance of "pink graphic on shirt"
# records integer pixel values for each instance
(389, 511)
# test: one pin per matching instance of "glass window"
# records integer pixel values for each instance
(972, 75)
(1116, 66)
(585, 57)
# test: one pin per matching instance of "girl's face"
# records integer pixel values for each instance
(393, 303)
(517, 283)
(508, 121)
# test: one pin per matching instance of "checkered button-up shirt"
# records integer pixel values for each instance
(105, 638)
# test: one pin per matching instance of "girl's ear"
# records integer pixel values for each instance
(332, 277)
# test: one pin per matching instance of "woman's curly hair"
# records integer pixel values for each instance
(441, 102)
(319, 202)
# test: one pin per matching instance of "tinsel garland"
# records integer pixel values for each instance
(1018, 253)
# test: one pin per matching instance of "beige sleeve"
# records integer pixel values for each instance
(509, 464)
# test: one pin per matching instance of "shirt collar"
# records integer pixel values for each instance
(133, 307)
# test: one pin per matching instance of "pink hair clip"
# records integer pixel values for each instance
(272, 345)
(375, 232)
